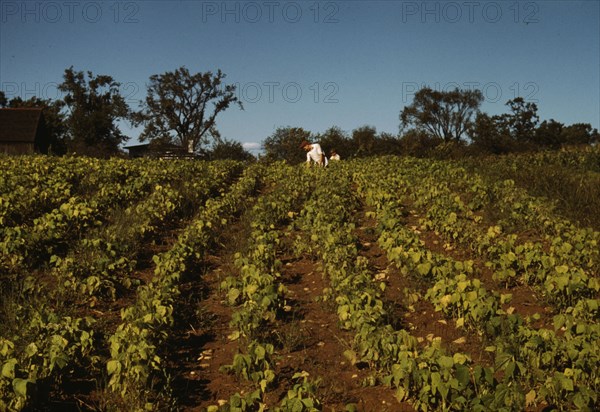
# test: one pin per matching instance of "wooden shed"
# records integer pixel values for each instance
(23, 131)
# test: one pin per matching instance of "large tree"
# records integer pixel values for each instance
(364, 140)
(490, 135)
(94, 106)
(440, 114)
(336, 139)
(580, 133)
(514, 131)
(549, 134)
(284, 144)
(178, 107)
(522, 121)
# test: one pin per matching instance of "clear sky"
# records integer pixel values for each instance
(315, 64)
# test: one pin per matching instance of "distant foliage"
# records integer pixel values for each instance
(284, 144)
(182, 108)
(94, 107)
(520, 130)
(443, 115)
(180, 111)
(227, 149)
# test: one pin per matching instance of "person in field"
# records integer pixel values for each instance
(314, 153)
(333, 155)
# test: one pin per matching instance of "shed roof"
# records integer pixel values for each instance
(19, 125)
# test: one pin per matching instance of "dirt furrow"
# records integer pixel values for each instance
(313, 342)
(405, 303)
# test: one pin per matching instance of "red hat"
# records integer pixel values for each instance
(303, 144)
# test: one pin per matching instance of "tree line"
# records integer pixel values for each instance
(181, 109)
(442, 124)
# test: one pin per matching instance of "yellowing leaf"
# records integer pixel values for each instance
(251, 289)
(462, 285)
(20, 387)
(530, 398)
(401, 394)
(8, 369)
(424, 268)
(505, 298)
(113, 366)
(459, 358)
(445, 300)
(562, 269)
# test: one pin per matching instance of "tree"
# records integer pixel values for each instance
(522, 122)
(54, 120)
(335, 138)
(443, 115)
(549, 134)
(177, 108)
(363, 139)
(3, 101)
(227, 149)
(94, 106)
(579, 133)
(284, 144)
(418, 143)
(388, 144)
(490, 136)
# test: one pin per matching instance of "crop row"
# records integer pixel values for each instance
(135, 360)
(557, 370)
(562, 265)
(259, 298)
(426, 376)
(106, 259)
(46, 341)
(25, 246)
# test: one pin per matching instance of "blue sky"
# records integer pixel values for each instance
(316, 64)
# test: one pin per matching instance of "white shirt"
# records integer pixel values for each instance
(315, 154)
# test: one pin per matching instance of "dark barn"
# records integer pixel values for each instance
(23, 131)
